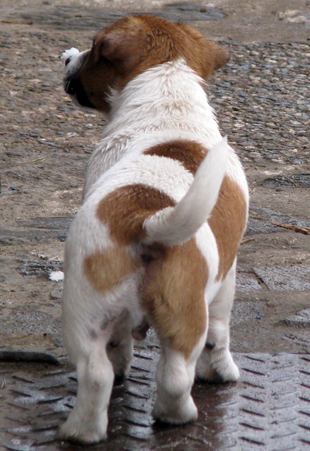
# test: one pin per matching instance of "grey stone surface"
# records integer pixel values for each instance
(301, 319)
(261, 218)
(291, 180)
(62, 17)
(244, 311)
(285, 278)
(56, 293)
(30, 322)
(246, 283)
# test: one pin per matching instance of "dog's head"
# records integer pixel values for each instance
(129, 47)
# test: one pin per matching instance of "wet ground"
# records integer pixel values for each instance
(262, 101)
(267, 409)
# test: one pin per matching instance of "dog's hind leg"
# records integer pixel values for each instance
(120, 345)
(173, 296)
(87, 423)
(86, 333)
(175, 376)
(216, 363)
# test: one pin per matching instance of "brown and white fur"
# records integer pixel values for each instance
(165, 207)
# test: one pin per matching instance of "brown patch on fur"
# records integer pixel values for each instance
(125, 210)
(227, 222)
(132, 45)
(105, 269)
(173, 295)
(190, 154)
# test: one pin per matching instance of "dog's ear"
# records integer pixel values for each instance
(124, 43)
(203, 54)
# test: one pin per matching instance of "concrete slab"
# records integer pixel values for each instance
(301, 319)
(283, 278)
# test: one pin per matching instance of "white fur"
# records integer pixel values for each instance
(164, 103)
(219, 361)
(69, 53)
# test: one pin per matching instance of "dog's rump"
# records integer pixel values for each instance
(139, 213)
(146, 226)
(175, 225)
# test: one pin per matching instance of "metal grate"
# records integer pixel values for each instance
(269, 408)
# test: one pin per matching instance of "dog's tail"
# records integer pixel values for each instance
(175, 225)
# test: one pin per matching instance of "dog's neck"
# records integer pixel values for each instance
(167, 96)
(164, 103)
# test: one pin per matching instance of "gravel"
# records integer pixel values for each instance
(262, 99)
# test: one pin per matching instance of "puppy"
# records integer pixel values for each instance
(165, 207)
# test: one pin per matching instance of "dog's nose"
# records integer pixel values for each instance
(71, 87)
(74, 87)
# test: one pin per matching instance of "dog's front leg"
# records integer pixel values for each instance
(87, 423)
(216, 363)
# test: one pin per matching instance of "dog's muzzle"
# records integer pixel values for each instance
(72, 84)
(74, 87)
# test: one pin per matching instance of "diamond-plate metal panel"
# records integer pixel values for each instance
(269, 408)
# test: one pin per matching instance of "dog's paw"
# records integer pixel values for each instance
(218, 367)
(68, 54)
(83, 434)
(227, 369)
(175, 414)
